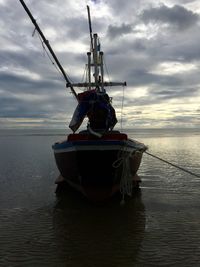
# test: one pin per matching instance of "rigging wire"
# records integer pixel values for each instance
(122, 107)
(34, 32)
(84, 77)
(49, 56)
(172, 164)
(106, 70)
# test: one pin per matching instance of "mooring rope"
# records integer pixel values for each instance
(126, 182)
(172, 164)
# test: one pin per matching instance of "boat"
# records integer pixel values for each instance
(99, 167)
(98, 161)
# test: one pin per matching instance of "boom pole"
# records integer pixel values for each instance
(68, 83)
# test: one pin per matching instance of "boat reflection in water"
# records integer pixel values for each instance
(98, 235)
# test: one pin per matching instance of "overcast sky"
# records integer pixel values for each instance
(152, 45)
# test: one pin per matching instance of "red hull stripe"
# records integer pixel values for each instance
(82, 137)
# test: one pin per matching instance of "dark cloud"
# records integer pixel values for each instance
(96, 1)
(141, 77)
(15, 83)
(125, 9)
(117, 31)
(34, 105)
(184, 118)
(177, 16)
(79, 28)
(174, 93)
(13, 107)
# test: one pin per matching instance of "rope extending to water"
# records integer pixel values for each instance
(172, 164)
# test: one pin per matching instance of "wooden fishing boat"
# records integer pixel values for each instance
(99, 167)
(98, 161)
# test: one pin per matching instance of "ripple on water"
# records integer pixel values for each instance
(171, 240)
(72, 234)
(26, 237)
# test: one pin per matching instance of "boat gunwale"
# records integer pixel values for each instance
(98, 145)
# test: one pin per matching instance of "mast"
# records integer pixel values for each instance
(102, 70)
(95, 60)
(89, 70)
(68, 83)
(95, 64)
(90, 27)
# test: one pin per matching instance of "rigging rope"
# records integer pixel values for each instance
(106, 69)
(48, 55)
(172, 164)
(123, 160)
(122, 107)
(85, 75)
(50, 58)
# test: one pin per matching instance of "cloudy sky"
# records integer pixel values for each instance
(152, 45)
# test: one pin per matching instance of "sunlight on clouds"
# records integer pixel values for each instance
(30, 97)
(99, 10)
(20, 72)
(26, 73)
(6, 123)
(19, 122)
(138, 92)
(70, 46)
(130, 92)
(146, 31)
(169, 68)
(25, 120)
(50, 32)
(170, 114)
(10, 47)
(191, 5)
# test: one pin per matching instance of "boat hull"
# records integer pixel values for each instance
(96, 167)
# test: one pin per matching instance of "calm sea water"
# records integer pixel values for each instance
(159, 226)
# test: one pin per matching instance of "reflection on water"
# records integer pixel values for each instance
(73, 233)
(106, 235)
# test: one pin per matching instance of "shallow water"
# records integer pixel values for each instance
(159, 226)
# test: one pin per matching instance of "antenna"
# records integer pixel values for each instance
(90, 27)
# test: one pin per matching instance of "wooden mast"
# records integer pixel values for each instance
(95, 61)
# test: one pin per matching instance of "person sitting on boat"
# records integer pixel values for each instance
(96, 105)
